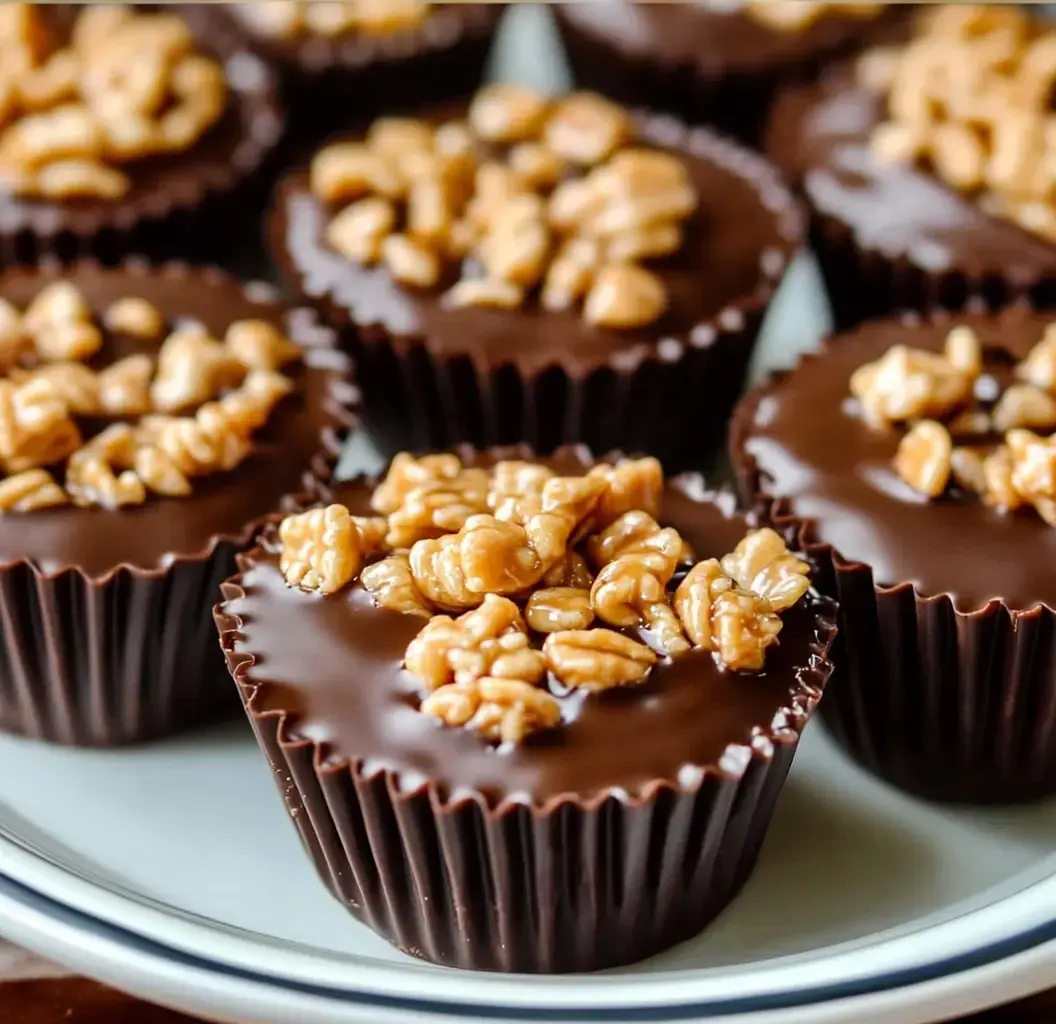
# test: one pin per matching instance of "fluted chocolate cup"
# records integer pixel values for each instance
(890, 236)
(434, 374)
(200, 204)
(106, 636)
(944, 681)
(598, 843)
(707, 63)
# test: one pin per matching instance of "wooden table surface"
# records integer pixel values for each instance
(28, 998)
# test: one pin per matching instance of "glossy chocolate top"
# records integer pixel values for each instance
(223, 504)
(736, 248)
(231, 149)
(442, 27)
(820, 134)
(811, 446)
(333, 664)
(714, 37)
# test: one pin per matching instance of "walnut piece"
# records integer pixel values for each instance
(762, 563)
(908, 384)
(135, 317)
(391, 585)
(735, 624)
(487, 641)
(502, 710)
(553, 609)
(30, 490)
(923, 458)
(597, 659)
(321, 549)
(632, 591)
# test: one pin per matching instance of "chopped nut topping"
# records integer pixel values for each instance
(718, 616)
(30, 490)
(907, 384)
(969, 98)
(910, 383)
(47, 384)
(518, 577)
(125, 88)
(506, 710)
(763, 564)
(530, 196)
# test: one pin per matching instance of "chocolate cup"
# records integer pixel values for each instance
(734, 99)
(130, 654)
(331, 85)
(577, 883)
(671, 396)
(932, 698)
(197, 205)
(866, 280)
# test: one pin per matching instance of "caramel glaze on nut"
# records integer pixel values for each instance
(527, 199)
(533, 585)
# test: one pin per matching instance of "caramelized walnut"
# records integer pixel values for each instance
(597, 659)
(321, 549)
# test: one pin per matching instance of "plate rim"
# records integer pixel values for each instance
(1000, 928)
(117, 956)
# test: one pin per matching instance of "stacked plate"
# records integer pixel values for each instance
(170, 872)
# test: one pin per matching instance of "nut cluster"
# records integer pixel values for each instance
(188, 413)
(970, 98)
(500, 559)
(127, 85)
(289, 19)
(528, 195)
(986, 448)
(799, 15)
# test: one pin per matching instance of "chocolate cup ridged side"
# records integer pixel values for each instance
(735, 101)
(672, 400)
(203, 219)
(345, 92)
(131, 655)
(575, 886)
(863, 283)
(947, 704)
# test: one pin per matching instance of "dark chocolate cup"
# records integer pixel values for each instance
(944, 703)
(575, 884)
(672, 398)
(195, 210)
(865, 281)
(129, 655)
(736, 100)
(331, 85)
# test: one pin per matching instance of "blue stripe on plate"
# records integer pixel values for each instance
(53, 910)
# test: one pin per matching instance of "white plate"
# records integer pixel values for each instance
(172, 871)
(186, 845)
